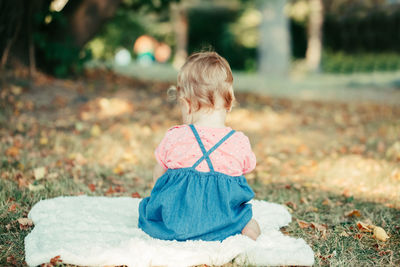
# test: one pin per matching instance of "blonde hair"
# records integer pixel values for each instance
(203, 77)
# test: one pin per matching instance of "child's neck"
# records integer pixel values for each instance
(213, 119)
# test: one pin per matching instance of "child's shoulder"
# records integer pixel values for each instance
(184, 129)
(176, 131)
(182, 126)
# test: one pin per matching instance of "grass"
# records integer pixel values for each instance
(96, 136)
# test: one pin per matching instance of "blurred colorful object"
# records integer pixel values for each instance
(122, 57)
(144, 48)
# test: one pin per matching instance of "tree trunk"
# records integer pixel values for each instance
(180, 24)
(274, 47)
(85, 17)
(17, 27)
(314, 43)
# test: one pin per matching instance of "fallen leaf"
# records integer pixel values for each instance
(358, 236)
(52, 175)
(12, 151)
(118, 170)
(24, 223)
(92, 187)
(95, 131)
(35, 188)
(303, 149)
(119, 189)
(380, 234)
(322, 228)
(347, 193)
(39, 173)
(110, 191)
(136, 195)
(22, 181)
(327, 202)
(284, 231)
(385, 252)
(364, 227)
(353, 213)
(303, 224)
(55, 260)
(319, 227)
(12, 207)
(16, 90)
(344, 233)
(43, 141)
(304, 200)
(291, 204)
(11, 259)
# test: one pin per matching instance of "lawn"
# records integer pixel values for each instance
(332, 164)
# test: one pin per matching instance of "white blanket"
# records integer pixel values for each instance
(98, 231)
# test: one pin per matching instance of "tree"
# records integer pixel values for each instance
(314, 35)
(37, 33)
(180, 22)
(274, 47)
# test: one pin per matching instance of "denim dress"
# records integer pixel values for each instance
(186, 204)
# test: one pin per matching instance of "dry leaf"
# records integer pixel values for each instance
(43, 141)
(24, 223)
(118, 170)
(344, 233)
(35, 188)
(110, 191)
(291, 205)
(119, 189)
(355, 213)
(347, 193)
(12, 207)
(364, 227)
(39, 173)
(319, 227)
(303, 224)
(16, 90)
(327, 202)
(380, 234)
(12, 151)
(52, 175)
(92, 187)
(11, 259)
(322, 228)
(95, 131)
(136, 195)
(303, 200)
(55, 260)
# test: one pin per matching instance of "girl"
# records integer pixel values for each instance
(200, 192)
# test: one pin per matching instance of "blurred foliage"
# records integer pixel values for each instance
(133, 18)
(127, 25)
(358, 35)
(339, 62)
(375, 31)
(59, 57)
(233, 34)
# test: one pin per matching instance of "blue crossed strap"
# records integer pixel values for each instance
(207, 153)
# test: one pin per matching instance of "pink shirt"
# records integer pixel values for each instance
(179, 149)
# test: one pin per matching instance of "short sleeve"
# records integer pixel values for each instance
(249, 158)
(161, 152)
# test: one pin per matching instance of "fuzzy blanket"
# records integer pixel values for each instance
(98, 231)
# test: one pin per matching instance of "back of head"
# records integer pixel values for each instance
(205, 81)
